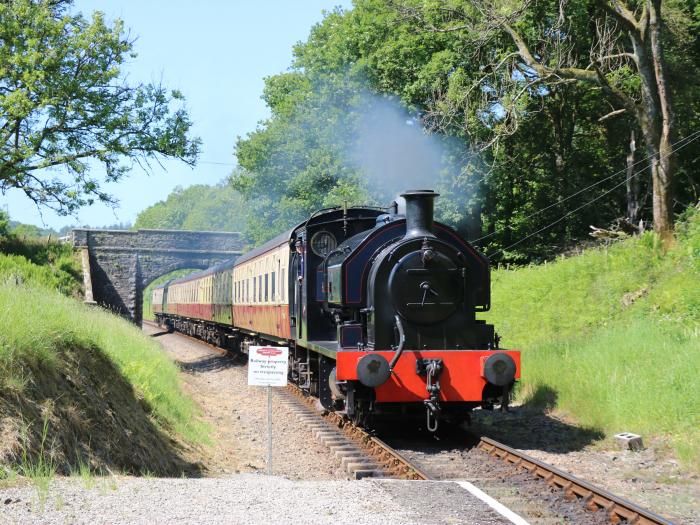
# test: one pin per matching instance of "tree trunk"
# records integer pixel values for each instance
(633, 204)
(655, 118)
(664, 165)
(654, 112)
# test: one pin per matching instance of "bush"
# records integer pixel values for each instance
(4, 224)
(614, 333)
(42, 262)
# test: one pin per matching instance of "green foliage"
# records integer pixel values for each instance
(39, 323)
(199, 207)
(42, 469)
(65, 104)
(30, 231)
(49, 264)
(297, 163)
(4, 224)
(615, 333)
(16, 269)
(545, 142)
(27, 345)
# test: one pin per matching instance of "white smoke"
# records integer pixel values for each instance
(395, 153)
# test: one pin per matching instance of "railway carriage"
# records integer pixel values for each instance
(378, 309)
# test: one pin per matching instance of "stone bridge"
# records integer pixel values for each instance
(119, 264)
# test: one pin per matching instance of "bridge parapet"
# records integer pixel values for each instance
(121, 263)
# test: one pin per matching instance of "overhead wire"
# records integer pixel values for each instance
(688, 139)
(694, 135)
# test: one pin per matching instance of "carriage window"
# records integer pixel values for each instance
(266, 287)
(283, 284)
(272, 291)
(260, 288)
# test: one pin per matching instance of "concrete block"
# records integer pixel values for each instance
(630, 441)
(343, 446)
(333, 441)
(348, 453)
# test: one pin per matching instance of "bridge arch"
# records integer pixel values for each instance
(119, 264)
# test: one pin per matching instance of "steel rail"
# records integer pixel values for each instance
(594, 498)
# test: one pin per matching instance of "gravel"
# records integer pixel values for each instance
(238, 416)
(310, 487)
(245, 498)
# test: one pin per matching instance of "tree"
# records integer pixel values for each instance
(4, 223)
(66, 107)
(298, 162)
(198, 207)
(621, 51)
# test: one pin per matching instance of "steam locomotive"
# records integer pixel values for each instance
(378, 310)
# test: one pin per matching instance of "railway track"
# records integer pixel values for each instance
(389, 462)
(365, 455)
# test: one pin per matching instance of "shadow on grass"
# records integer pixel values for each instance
(531, 426)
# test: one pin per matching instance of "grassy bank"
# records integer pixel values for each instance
(80, 386)
(612, 336)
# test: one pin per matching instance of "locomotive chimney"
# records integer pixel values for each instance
(419, 212)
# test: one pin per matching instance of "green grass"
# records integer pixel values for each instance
(39, 322)
(41, 469)
(615, 333)
(55, 353)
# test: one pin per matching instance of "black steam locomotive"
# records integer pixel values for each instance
(378, 309)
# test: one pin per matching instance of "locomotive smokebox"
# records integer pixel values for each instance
(419, 212)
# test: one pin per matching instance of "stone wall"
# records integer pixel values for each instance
(122, 263)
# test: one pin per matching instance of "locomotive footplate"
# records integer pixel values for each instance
(462, 379)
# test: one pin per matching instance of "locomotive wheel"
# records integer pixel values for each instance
(363, 415)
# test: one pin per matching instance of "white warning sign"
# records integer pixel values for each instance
(267, 365)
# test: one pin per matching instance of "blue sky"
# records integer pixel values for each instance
(217, 53)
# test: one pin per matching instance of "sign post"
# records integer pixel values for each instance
(267, 366)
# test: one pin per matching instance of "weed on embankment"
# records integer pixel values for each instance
(614, 334)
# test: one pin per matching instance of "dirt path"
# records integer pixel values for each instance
(237, 414)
